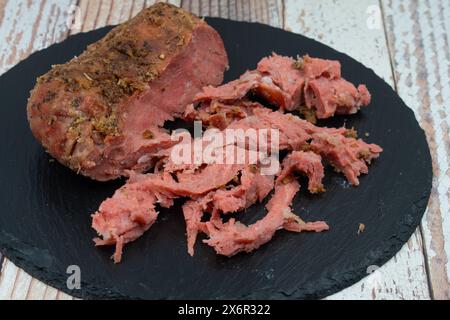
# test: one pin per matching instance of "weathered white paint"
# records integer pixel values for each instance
(355, 27)
(21, 286)
(403, 277)
(440, 106)
(16, 284)
(28, 26)
(439, 92)
(36, 290)
(265, 11)
(344, 25)
(174, 2)
(419, 39)
(7, 280)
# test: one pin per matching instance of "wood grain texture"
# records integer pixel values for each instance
(263, 11)
(356, 28)
(28, 26)
(16, 284)
(418, 33)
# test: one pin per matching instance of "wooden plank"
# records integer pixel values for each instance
(264, 11)
(7, 280)
(275, 13)
(138, 6)
(214, 8)
(223, 9)
(63, 296)
(418, 33)
(16, 284)
(50, 293)
(91, 14)
(2, 10)
(356, 28)
(104, 13)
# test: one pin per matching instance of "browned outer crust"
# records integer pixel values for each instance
(76, 104)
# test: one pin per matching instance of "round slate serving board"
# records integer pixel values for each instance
(45, 208)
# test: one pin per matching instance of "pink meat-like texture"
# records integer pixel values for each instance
(126, 216)
(220, 115)
(238, 89)
(252, 187)
(294, 134)
(208, 185)
(309, 164)
(289, 84)
(131, 210)
(347, 154)
(283, 82)
(233, 237)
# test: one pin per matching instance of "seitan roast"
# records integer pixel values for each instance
(101, 113)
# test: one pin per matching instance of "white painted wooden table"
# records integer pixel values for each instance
(405, 42)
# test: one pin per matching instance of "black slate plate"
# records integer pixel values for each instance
(45, 208)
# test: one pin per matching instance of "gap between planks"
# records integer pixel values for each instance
(394, 79)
